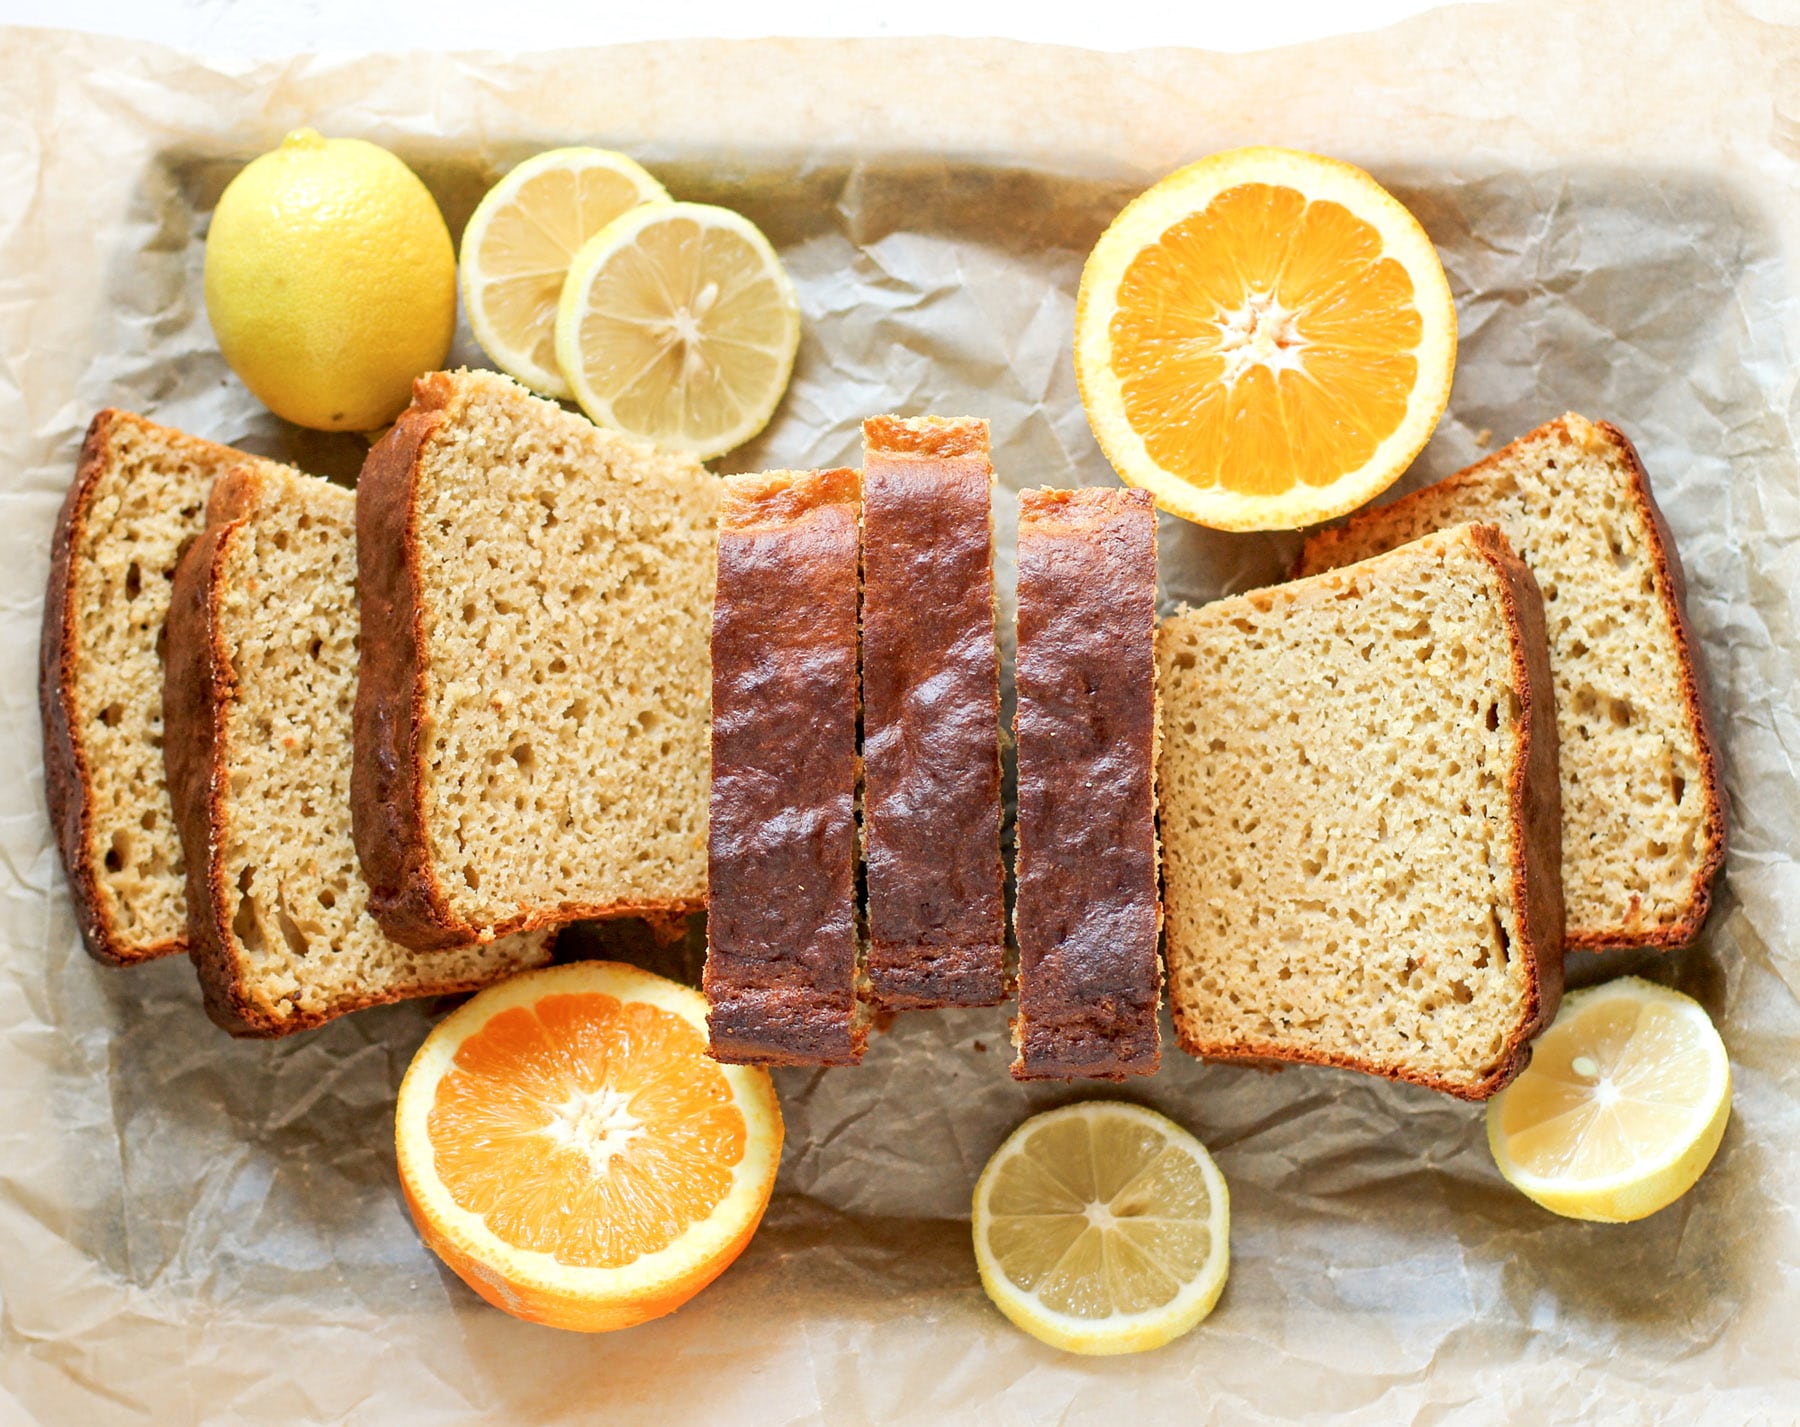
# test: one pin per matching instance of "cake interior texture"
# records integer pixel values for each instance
(1341, 845)
(140, 499)
(1643, 812)
(296, 939)
(566, 574)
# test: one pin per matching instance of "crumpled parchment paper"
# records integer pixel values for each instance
(193, 1229)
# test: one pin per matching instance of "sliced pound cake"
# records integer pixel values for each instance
(931, 716)
(138, 499)
(1087, 914)
(261, 682)
(1359, 818)
(781, 956)
(1643, 806)
(532, 713)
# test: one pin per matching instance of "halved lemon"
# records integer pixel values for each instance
(568, 1147)
(1263, 340)
(518, 246)
(1102, 1228)
(1622, 1107)
(679, 325)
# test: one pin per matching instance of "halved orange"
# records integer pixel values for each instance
(568, 1147)
(1263, 340)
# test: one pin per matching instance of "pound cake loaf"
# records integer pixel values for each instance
(931, 716)
(261, 682)
(1086, 914)
(1359, 818)
(1643, 803)
(781, 928)
(531, 717)
(138, 499)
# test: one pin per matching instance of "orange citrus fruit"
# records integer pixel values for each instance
(1263, 340)
(568, 1147)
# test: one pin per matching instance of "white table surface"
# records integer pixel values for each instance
(266, 28)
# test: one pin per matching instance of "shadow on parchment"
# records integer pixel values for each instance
(251, 1173)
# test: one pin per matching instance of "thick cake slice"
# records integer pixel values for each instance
(531, 719)
(261, 681)
(781, 956)
(1359, 818)
(139, 497)
(931, 716)
(1087, 915)
(1643, 803)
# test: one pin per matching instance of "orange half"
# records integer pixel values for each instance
(1264, 340)
(568, 1147)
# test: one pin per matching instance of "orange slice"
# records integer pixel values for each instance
(571, 1151)
(1263, 340)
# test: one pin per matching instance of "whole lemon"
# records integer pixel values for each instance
(330, 281)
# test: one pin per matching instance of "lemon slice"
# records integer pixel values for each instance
(1102, 1228)
(518, 246)
(679, 326)
(1622, 1106)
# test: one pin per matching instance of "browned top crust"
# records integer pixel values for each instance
(1087, 913)
(781, 973)
(931, 714)
(66, 781)
(1330, 547)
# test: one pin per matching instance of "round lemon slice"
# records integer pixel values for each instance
(1622, 1106)
(678, 325)
(1102, 1228)
(518, 246)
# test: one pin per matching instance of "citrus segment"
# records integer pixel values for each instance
(678, 325)
(1621, 1108)
(518, 245)
(1102, 1228)
(1264, 339)
(570, 1150)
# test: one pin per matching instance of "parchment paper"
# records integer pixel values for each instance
(193, 1229)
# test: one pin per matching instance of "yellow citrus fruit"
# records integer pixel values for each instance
(678, 325)
(568, 1147)
(1102, 1228)
(520, 241)
(330, 281)
(1263, 340)
(1622, 1107)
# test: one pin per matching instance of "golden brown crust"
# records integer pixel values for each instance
(65, 762)
(1324, 549)
(1087, 912)
(931, 717)
(781, 962)
(197, 686)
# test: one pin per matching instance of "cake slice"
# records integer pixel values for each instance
(1643, 802)
(1086, 914)
(781, 954)
(931, 716)
(531, 718)
(139, 497)
(1359, 818)
(261, 682)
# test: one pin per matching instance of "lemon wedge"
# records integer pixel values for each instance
(518, 246)
(678, 325)
(1102, 1228)
(1622, 1106)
